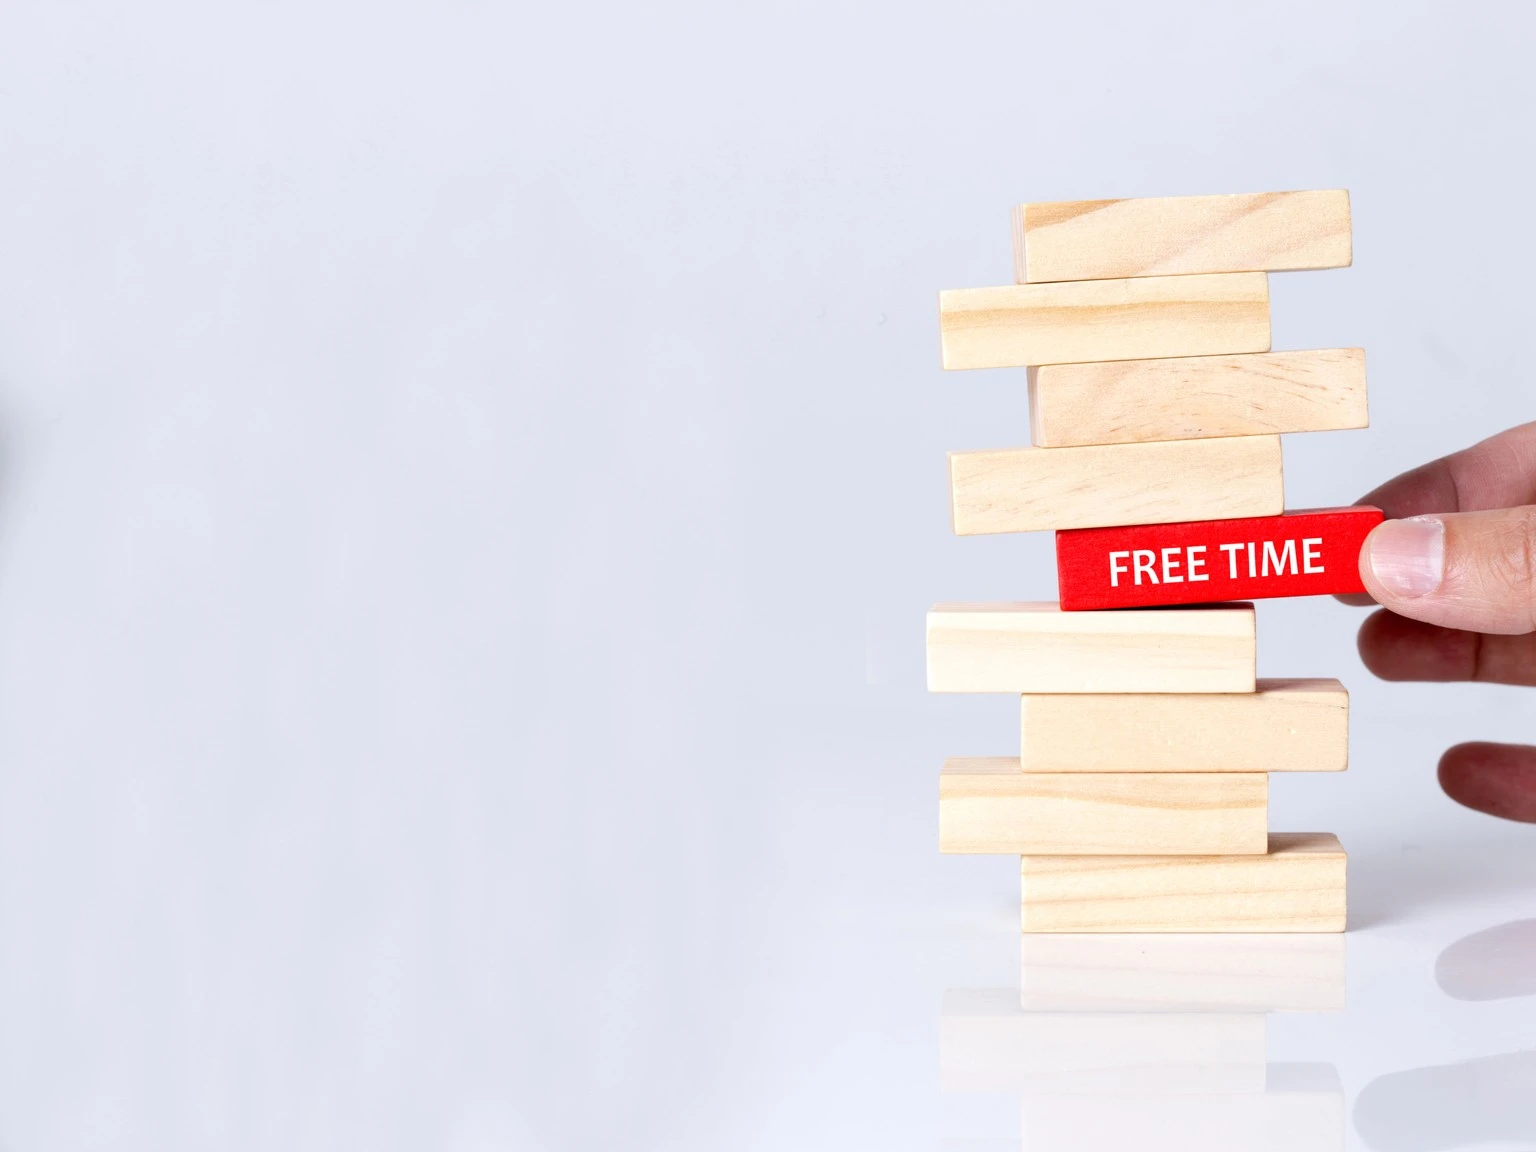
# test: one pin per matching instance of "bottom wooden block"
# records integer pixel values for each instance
(1298, 886)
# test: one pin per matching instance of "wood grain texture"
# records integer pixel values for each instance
(1298, 886)
(988, 806)
(1018, 325)
(1191, 397)
(1035, 647)
(1284, 726)
(1098, 486)
(1181, 235)
(1247, 972)
(987, 1043)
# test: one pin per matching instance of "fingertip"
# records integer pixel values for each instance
(1356, 599)
(1369, 643)
(1468, 570)
(1402, 564)
(1496, 779)
(1395, 647)
(1385, 649)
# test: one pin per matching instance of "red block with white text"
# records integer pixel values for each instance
(1304, 553)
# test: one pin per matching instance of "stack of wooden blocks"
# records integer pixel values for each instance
(1139, 799)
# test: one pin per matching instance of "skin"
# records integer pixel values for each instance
(1479, 623)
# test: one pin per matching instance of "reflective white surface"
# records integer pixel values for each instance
(1178, 1054)
(471, 477)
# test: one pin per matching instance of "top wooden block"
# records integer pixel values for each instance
(1181, 236)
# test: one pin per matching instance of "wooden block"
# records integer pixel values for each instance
(1018, 325)
(1300, 972)
(1284, 726)
(1031, 489)
(1190, 397)
(1297, 887)
(1035, 647)
(988, 1044)
(1300, 1110)
(986, 805)
(1304, 553)
(1181, 235)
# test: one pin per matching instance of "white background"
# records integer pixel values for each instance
(471, 477)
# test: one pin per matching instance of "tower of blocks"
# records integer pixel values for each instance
(1139, 798)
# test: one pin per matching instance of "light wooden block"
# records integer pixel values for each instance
(1037, 648)
(1018, 325)
(1181, 235)
(988, 1044)
(1297, 887)
(1284, 726)
(1299, 972)
(986, 805)
(1100, 486)
(1300, 1110)
(1191, 397)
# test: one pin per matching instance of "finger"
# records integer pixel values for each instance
(1499, 779)
(1499, 472)
(1396, 648)
(1356, 599)
(1470, 570)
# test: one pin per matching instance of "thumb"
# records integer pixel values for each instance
(1475, 571)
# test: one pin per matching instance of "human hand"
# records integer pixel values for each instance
(1454, 568)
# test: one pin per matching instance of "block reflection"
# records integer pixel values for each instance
(1113, 1042)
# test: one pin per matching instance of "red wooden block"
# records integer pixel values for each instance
(1305, 553)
